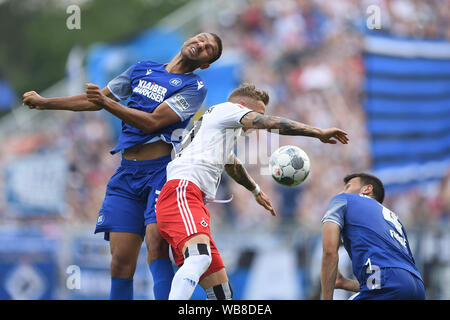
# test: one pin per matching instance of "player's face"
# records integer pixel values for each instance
(353, 186)
(199, 50)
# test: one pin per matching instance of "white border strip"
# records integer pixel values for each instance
(407, 48)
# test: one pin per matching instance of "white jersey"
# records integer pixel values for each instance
(202, 155)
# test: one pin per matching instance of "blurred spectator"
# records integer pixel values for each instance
(307, 55)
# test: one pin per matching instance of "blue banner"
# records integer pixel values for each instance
(28, 267)
(407, 103)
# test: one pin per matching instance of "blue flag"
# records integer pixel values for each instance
(407, 103)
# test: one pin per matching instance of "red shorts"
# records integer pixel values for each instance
(181, 214)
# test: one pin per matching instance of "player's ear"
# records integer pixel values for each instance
(367, 189)
(243, 103)
(205, 66)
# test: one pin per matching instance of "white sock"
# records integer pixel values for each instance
(186, 278)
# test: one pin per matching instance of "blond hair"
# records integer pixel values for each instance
(249, 90)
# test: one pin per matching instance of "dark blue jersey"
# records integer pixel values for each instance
(147, 84)
(372, 234)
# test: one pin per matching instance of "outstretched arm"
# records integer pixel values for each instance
(255, 120)
(78, 102)
(237, 171)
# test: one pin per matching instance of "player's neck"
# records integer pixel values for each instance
(179, 65)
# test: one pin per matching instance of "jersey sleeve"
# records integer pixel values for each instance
(336, 210)
(120, 86)
(232, 113)
(188, 101)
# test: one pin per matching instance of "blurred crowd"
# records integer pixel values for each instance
(307, 55)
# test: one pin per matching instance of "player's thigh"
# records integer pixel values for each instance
(214, 279)
(121, 211)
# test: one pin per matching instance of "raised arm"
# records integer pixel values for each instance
(161, 117)
(78, 102)
(237, 171)
(255, 120)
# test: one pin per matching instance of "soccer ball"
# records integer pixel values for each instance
(289, 165)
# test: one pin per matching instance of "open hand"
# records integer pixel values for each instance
(328, 136)
(263, 200)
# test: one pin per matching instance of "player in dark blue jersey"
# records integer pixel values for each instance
(162, 100)
(375, 240)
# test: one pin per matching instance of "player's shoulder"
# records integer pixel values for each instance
(217, 108)
(227, 107)
(194, 81)
(341, 197)
(146, 63)
(357, 199)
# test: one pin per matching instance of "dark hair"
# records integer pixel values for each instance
(377, 185)
(250, 90)
(219, 47)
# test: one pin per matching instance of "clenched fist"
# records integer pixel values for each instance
(95, 95)
(33, 100)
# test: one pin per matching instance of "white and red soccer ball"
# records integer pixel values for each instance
(289, 165)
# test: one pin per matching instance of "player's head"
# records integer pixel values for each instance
(366, 184)
(201, 50)
(251, 97)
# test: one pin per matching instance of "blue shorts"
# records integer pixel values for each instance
(131, 194)
(396, 284)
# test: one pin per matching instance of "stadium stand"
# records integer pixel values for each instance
(320, 66)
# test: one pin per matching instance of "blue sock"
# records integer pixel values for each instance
(162, 272)
(121, 289)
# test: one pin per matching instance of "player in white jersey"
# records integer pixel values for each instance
(194, 175)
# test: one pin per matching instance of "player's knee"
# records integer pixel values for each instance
(199, 256)
(221, 291)
(122, 266)
(157, 247)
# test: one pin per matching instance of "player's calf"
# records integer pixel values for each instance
(197, 259)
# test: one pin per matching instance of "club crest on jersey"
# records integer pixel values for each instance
(204, 223)
(100, 219)
(175, 82)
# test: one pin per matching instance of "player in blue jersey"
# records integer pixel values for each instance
(162, 100)
(375, 240)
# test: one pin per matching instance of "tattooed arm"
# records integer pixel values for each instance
(237, 171)
(255, 120)
(240, 175)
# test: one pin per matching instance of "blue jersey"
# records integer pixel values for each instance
(372, 234)
(147, 84)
